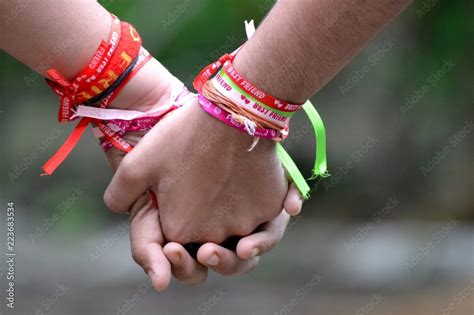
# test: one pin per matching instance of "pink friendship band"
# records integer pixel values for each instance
(123, 121)
(226, 118)
(235, 96)
(178, 97)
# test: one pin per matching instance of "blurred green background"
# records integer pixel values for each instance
(400, 122)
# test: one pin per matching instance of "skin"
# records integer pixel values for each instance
(160, 260)
(313, 41)
(291, 56)
(57, 48)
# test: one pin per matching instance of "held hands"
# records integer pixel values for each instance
(208, 187)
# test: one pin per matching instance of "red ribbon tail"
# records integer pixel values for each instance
(53, 163)
(153, 198)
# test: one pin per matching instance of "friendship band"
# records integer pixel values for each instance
(113, 87)
(241, 114)
(121, 127)
(256, 93)
(226, 118)
(221, 85)
(114, 63)
(69, 91)
(236, 88)
(246, 97)
(123, 121)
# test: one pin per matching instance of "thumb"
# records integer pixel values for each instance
(293, 201)
(128, 184)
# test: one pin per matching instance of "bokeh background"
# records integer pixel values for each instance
(391, 232)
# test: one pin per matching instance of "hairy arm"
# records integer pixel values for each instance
(303, 44)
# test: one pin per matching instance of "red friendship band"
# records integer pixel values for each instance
(108, 63)
(71, 92)
(258, 94)
(225, 62)
(210, 70)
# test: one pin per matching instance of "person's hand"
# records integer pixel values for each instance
(208, 186)
(160, 260)
(146, 237)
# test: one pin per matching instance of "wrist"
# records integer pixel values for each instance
(150, 86)
(268, 75)
(225, 136)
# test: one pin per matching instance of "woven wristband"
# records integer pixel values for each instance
(113, 64)
(236, 88)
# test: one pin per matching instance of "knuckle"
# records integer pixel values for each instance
(216, 236)
(243, 229)
(175, 233)
(128, 172)
(110, 202)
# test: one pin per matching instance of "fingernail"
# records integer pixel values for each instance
(213, 260)
(255, 252)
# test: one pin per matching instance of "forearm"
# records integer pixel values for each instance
(302, 44)
(64, 35)
(60, 34)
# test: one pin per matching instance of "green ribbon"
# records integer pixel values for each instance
(320, 162)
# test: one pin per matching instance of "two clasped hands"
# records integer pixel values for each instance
(209, 188)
